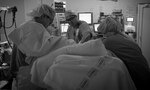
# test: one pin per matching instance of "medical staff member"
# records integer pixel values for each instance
(32, 37)
(125, 48)
(78, 30)
(32, 40)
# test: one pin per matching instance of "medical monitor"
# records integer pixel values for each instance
(129, 19)
(64, 27)
(86, 16)
(96, 26)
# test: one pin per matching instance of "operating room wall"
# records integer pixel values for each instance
(29, 5)
(129, 7)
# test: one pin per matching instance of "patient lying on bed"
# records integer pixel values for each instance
(81, 66)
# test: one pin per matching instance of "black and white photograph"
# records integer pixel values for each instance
(74, 44)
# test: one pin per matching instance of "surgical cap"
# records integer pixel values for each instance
(69, 14)
(42, 9)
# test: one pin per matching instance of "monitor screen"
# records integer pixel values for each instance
(85, 16)
(64, 27)
(96, 26)
(130, 19)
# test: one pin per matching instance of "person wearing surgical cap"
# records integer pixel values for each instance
(32, 40)
(78, 30)
(125, 48)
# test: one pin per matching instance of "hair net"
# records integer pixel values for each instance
(42, 9)
(69, 14)
(110, 25)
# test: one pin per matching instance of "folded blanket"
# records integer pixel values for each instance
(72, 72)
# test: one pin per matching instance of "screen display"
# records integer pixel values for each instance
(64, 27)
(87, 17)
(130, 19)
(96, 26)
